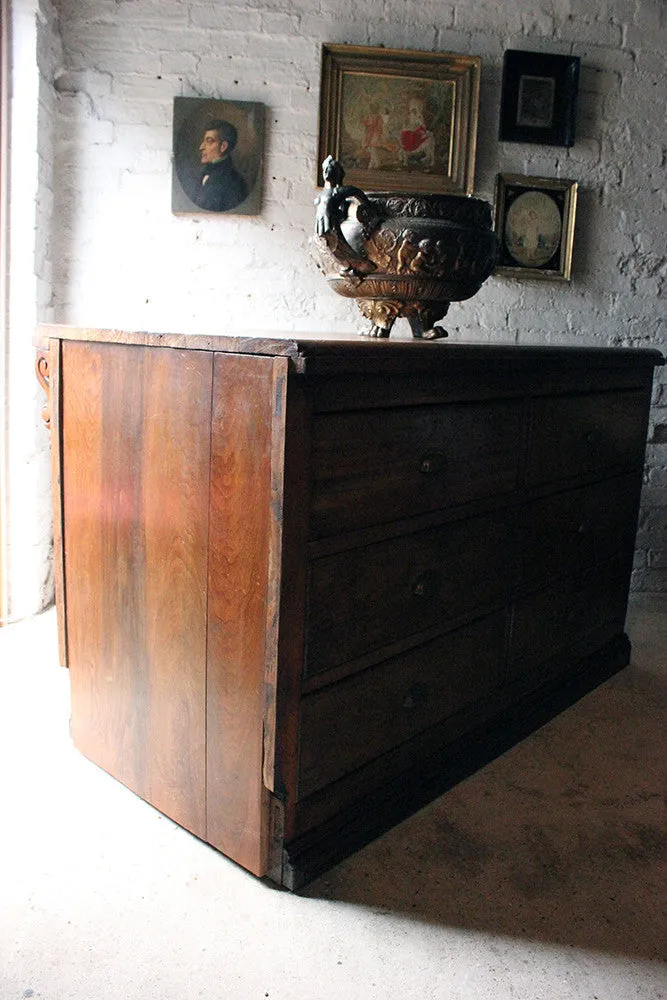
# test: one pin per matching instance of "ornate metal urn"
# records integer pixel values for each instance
(402, 254)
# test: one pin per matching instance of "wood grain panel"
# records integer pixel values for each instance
(374, 466)
(286, 619)
(55, 398)
(240, 568)
(478, 379)
(576, 531)
(136, 442)
(550, 621)
(365, 598)
(367, 714)
(587, 436)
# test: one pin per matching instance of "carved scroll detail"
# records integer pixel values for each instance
(382, 313)
(43, 371)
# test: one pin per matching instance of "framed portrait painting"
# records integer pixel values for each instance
(538, 101)
(400, 120)
(534, 222)
(218, 149)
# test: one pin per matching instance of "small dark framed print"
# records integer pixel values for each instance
(539, 97)
(534, 222)
(218, 151)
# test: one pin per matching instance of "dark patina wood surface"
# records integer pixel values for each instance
(305, 583)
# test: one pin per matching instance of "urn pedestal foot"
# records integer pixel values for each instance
(375, 331)
(422, 317)
(382, 314)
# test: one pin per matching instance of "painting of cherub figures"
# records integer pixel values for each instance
(396, 123)
(376, 135)
(417, 143)
(398, 120)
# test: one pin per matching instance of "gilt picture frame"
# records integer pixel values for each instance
(399, 120)
(534, 221)
(538, 100)
(227, 180)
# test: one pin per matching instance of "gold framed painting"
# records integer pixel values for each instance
(534, 222)
(400, 120)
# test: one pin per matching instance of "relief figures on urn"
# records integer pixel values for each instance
(401, 255)
(217, 156)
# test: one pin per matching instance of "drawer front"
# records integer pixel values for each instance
(578, 530)
(363, 599)
(586, 436)
(380, 465)
(547, 623)
(362, 717)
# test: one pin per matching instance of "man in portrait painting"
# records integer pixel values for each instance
(221, 186)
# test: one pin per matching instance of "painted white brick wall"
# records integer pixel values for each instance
(121, 258)
(35, 53)
(49, 61)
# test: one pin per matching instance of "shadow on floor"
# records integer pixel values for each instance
(563, 839)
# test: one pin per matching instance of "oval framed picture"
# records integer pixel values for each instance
(534, 222)
(217, 161)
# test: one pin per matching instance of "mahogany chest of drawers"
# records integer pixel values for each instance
(304, 585)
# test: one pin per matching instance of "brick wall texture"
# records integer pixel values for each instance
(120, 258)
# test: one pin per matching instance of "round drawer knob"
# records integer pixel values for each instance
(432, 462)
(415, 696)
(426, 585)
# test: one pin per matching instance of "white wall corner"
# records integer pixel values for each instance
(34, 55)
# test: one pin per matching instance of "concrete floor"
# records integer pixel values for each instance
(542, 876)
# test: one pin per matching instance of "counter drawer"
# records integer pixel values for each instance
(380, 465)
(586, 436)
(550, 621)
(578, 530)
(362, 717)
(374, 595)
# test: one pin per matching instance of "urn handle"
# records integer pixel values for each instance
(333, 209)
